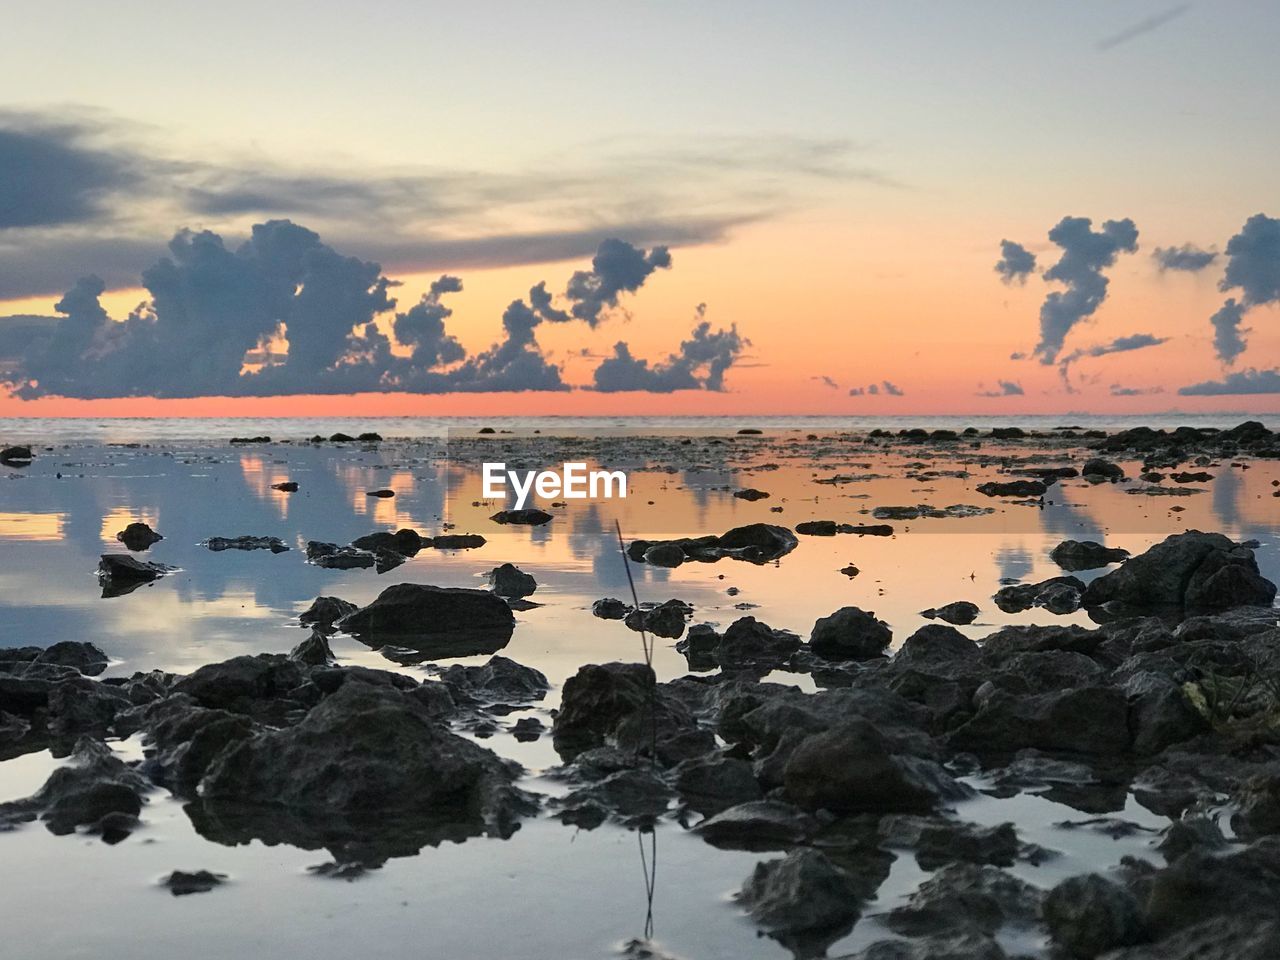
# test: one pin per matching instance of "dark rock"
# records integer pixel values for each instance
(1086, 721)
(935, 644)
(94, 784)
(457, 541)
(967, 898)
(529, 516)
(527, 729)
(758, 825)
(77, 654)
(181, 884)
(325, 612)
(802, 896)
(383, 494)
(1202, 885)
(850, 769)
(610, 608)
(1221, 938)
(119, 574)
(313, 651)
(332, 557)
(963, 946)
(1085, 555)
(405, 542)
(711, 785)
(1160, 715)
(634, 798)
(499, 680)
(1258, 808)
(850, 634)
(962, 612)
(755, 543)
(1013, 488)
(429, 616)
(664, 555)
(666, 619)
(1192, 570)
(619, 704)
(937, 841)
(137, 536)
(829, 528)
(286, 486)
(751, 645)
(274, 544)
(244, 684)
(1088, 915)
(1099, 470)
(509, 580)
(750, 494)
(1059, 595)
(15, 456)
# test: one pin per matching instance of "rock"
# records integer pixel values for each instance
(137, 536)
(665, 619)
(750, 494)
(1258, 808)
(332, 557)
(829, 528)
(364, 750)
(758, 825)
(286, 486)
(405, 542)
(527, 729)
(937, 841)
(1160, 715)
(274, 544)
(501, 680)
(325, 612)
(15, 456)
(1188, 571)
(1221, 938)
(850, 634)
(1013, 488)
(1090, 721)
(755, 543)
(119, 574)
(94, 784)
(962, 612)
(528, 517)
(803, 893)
(664, 555)
(598, 698)
(246, 684)
(77, 654)
(1202, 885)
(711, 785)
(509, 580)
(456, 541)
(935, 644)
(1059, 595)
(964, 946)
(313, 651)
(635, 798)
(610, 608)
(1089, 915)
(183, 738)
(966, 898)
(383, 494)
(1098, 470)
(1076, 555)
(181, 884)
(850, 769)
(431, 617)
(749, 645)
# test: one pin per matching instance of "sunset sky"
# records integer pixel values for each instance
(831, 182)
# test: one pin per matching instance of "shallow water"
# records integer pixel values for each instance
(550, 891)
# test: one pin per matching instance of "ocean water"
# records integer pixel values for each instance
(551, 891)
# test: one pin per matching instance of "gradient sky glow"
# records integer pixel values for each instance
(832, 178)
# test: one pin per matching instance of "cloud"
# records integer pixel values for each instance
(1253, 268)
(700, 364)
(617, 268)
(1228, 335)
(285, 313)
(1117, 390)
(1239, 383)
(1085, 254)
(1004, 388)
(1016, 262)
(827, 381)
(1127, 344)
(874, 389)
(1186, 258)
(1143, 27)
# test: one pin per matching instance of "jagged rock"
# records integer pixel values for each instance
(499, 680)
(750, 645)
(79, 655)
(700, 646)
(119, 574)
(634, 798)
(665, 619)
(508, 580)
(713, 784)
(1086, 720)
(961, 612)
(325, 612)
(1202, 885)
(758, 825)
(1090, 914)
(850, 634)
(966, 898)
(935, 644)
(1160, 714)
(668, 555)
(1191, 571)
(405, 542)
(756, 543)
(530, 517)
(248, 684)
(1221, 938)
(620, 704)
(1076, 555)
(610, 608)
(1258, 812)
(1060, 595)
(937, 841)
(314, 650)
(286, 486)
(965, 946)
(804, 893)
(137, 536)
(274, 544)
(93, 785)
(850, 769)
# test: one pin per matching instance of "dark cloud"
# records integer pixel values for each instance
(52, 175)
(1143, 27)
(1135, 341)
(1185, 259)
(875, 389)
(1118, 390)
(1016, 262)
(617, 268)
(1253, 268)
(1240, 383)
(1004, 388)
(827, 381)
(1228, 335)
(700, 364)
(285, 313)
(1085, 254)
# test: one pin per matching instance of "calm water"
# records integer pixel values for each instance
(550, 891)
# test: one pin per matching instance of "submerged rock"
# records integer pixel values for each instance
(18, 456)
(137, 536)
(961, 612)
(529, 517)
(274, 544)
(665, 619)
(119, 574)
(440, 621)
(95, 784)
(180, 884)
(1060, 595)
(509, 580)
(325, 612)
(1013, 488)
(758, 825)
(610, 608)
(499, 680)
(755, 543)
(1076, 555)
(804, 893)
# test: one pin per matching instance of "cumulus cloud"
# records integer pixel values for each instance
(285, 313)
(1085, 254)
(874, 389)
(699, 364)
(1016, 262)
(1253, 268)
(1119, 390)
(616, 268)
(1185, 259)
(1003, 388)
(1239, 383)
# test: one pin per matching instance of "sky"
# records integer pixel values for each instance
(500, 208)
